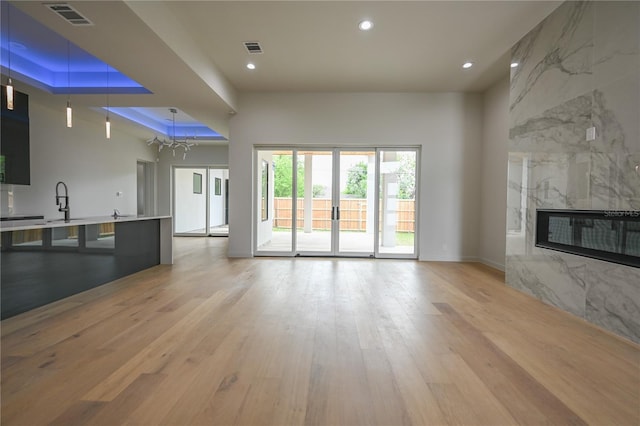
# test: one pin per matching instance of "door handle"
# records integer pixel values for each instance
(335, 213)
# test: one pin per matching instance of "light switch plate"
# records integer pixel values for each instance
(591, 133)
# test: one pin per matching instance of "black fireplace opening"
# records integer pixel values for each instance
(609, 235)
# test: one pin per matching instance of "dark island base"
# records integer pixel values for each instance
(36, 276)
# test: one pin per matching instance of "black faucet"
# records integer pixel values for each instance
(65, 197)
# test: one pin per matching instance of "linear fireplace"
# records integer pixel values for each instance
(609, 235)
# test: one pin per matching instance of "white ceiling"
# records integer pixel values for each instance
(190, 53)
(316, 45)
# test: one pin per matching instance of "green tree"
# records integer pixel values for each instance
(319, 191)
(283, 176)
(407, 176)
(357, 180)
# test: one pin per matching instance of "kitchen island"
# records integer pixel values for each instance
(47, 260)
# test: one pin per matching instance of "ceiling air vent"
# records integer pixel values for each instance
(69, 14)
(253, 47)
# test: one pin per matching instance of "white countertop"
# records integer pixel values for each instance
(21, 225)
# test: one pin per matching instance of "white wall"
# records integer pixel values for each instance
(94, 168)
(494, 174)
(447, 126)
(198, 156)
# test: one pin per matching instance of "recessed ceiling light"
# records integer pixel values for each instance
(467, 65)
(365, 25)
(514, 64)
(251, 66)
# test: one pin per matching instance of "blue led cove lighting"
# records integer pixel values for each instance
(39, 57)
(148, 118)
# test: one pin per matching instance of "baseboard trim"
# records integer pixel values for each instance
(449, 259)
(499, 266)
(492, 264)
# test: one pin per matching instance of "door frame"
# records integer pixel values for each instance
(336, 202)
(335, 197)
(334, 222)
(205, 181)
(416, 226)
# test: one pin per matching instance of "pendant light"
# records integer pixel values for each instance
(10, 94)
(173, 142)
(10, 82)
(69, 114)
(69, 110)
(107, 123)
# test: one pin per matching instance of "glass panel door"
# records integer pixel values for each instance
(190, 201)
(274, 201)
(314, 209)
(356, 201)
(397, 203)
(342, 201)
(218, 200)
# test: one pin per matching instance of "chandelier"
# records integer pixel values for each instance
(185, 144)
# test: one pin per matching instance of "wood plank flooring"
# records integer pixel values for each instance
(217, 341)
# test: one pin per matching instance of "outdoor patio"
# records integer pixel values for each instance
(320, 241)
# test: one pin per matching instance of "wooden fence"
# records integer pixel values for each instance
(353, 214)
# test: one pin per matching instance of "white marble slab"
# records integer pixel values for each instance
(613, 298)
(616, 41)
(579, 68)
(552, 277)
(555, 62)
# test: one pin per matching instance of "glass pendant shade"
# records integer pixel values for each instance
(10, 94)
(69, 115)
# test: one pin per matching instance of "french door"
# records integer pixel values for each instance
(335, 209)
(200, 200)
(336, 202)
(354, 201)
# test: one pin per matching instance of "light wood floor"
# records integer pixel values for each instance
(312, 341)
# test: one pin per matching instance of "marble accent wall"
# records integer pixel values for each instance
(578, 68)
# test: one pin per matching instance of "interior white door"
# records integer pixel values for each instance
(190, 201)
